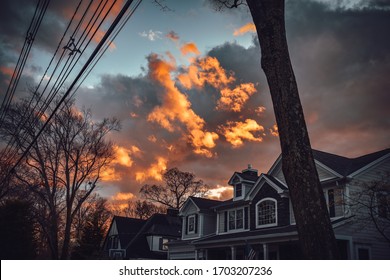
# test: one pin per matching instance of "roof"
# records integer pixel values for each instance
(246, 175)
(127, 228)
(159, 225)
(346, 166)
(128, 225)
(205, 203)
(275, 181)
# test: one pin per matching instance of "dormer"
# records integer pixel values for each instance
(243, 182)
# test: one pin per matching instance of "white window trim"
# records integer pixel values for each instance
(326, 195)
(291, 213)
(362, 246)
(243, 221)
(188, 224)
(242, 191)
(276, 213)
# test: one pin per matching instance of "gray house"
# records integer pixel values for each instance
(258, 222)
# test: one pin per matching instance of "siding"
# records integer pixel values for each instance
(376, 173)
(361, 228)
(364, 233)
(209, 224)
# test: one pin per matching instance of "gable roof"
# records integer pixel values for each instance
(342, 165)
(205, 203)
(127, 229)
(158, 225)
(346, 166)
(128, 225)
(246, 175)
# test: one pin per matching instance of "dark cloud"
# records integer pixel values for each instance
(341, 60)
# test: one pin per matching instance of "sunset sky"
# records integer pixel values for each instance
(189, 91)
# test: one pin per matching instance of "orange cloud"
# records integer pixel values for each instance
(109, 175)
(235, 99)
(189, 48)
(206, 70)
(176, 107)
(102, 10)
(7, 71)
(155, 171)
(236, 132)
(260, 110)
(122, 196)
(274, 130)
(220, 193)
(249, 27)
(123, 155)
(152, 138)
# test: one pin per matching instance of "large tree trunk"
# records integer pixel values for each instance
(313, 223)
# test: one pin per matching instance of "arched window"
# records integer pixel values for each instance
(266, 213)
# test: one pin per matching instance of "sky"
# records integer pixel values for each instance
(187, 85)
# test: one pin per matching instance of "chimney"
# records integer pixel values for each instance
(173, 212)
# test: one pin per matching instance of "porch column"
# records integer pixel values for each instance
(196, 254)
(265, 251)
(233, 251)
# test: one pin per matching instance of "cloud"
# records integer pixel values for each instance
(189, 48)
(236, 132)
(151, 35)
(235, 99)
(155, 171)
(274, 131)
(123, 196)
(172, 35)
(176, 107)
(247, 28)
(123, 155)
(220, 193)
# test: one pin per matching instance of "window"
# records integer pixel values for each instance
(191, 224)
(236, 219)
(266, 213)
(363, 252)
(383, 205)
(238, 190)
(114, 242)
(331, 205)
(334, 201)
(163, 244)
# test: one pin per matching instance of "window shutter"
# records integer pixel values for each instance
(226, 221)
(160, 244)
(332, 210)
(186, 225)
(196, 223)
(246, 218)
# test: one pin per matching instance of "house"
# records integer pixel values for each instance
(130, 238)
(258, 222)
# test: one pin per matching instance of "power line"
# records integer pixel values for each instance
(90, 59)
(27, 114)
(30, 37)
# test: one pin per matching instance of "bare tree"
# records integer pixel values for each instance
(371, 205)
(178, 187)
(63, 166)
(94, 223)
(312, 218)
